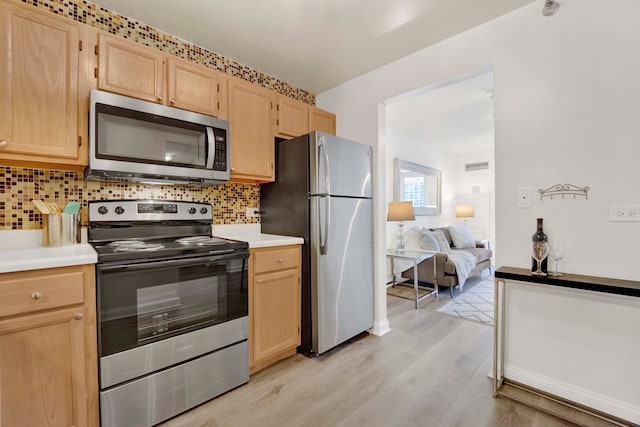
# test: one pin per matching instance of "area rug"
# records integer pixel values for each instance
(474, 303)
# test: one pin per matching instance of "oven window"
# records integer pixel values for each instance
(145, 303)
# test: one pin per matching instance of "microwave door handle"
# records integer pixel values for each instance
(211, 147)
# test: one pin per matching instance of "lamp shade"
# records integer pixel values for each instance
(400, 211)
(464, 211)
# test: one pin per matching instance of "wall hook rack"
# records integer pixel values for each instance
(564, 190)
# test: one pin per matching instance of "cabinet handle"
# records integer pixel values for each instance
(173, 100)
(280, 260)
(3, 143)
(78, 316)
(259, 281)
(160, 98)
(36, 296)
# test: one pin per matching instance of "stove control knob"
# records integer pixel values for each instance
(192, 210)
(119, 210)
(203, 210)
(102, 210)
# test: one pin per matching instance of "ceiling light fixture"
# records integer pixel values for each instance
(550, 7)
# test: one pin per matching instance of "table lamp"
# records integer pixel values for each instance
(400, 211)
(464, 212)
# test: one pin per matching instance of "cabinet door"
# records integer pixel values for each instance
(292, 117)
(42, 370)
(192, 87)
(130, 69)
(39, 62)
(276, 313)
(252, 144)
(322, 121)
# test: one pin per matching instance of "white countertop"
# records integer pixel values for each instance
(22, 250)
(251, 234)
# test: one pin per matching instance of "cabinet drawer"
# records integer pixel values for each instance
(276, 259)
(27, 292)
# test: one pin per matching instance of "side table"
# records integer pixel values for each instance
(416, 257)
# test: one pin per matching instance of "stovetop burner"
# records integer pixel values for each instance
(138, 248)
(201, 241)
(145, 230)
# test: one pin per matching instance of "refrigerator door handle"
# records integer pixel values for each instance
(324, 225)
(323, 154)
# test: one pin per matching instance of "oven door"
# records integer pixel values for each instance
(139, 304)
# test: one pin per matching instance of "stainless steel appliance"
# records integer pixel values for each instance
(142, 141)
(172, 309)
(323, 194)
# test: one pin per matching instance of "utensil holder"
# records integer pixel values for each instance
(62, 229)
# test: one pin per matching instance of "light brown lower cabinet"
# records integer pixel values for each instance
(48, 348)
(274, 305)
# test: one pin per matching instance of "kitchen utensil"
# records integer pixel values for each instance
(72, 208)
(53, 207)
(41, 206)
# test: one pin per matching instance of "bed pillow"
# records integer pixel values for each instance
(428, 241)
(462, 238)
(442, 241)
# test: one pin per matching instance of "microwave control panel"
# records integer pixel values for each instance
(220, 157)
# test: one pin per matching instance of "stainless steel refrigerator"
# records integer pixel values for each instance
(323, 193)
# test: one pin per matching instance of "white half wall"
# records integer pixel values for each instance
(566, 111)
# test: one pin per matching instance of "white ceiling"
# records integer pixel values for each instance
(458, 117)
(313, 44)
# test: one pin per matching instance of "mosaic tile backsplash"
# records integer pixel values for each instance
(128, 28)
(19, 186)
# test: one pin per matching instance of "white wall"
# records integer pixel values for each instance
(566, 91)
(407, 147)
(482, 225)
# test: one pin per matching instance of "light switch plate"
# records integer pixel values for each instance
(525, 197)
(251, 213)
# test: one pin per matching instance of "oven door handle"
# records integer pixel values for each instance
(176, 262)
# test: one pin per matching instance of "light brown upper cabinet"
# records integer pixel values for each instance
(292, 116)
(192, 86)
(322, 120)
(252, 143)
(43, 89)
(138, 71)
(130, 69)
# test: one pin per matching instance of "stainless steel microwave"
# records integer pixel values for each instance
(141, 141)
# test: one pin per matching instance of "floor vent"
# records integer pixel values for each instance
(476, 166)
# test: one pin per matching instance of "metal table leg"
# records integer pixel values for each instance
(415, 280)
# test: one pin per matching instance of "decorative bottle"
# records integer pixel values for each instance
(539, 236)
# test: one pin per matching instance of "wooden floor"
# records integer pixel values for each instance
(430, 370)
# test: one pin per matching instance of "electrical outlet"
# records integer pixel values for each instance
(252, 213)
(525, 196)
(624, 213)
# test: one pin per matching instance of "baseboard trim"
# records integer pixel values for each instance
(570, 395)
(380, 327)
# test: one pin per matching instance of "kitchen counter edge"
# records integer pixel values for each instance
(41, 257)
(267, 240)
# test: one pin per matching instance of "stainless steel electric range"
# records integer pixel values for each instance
(172, 309)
